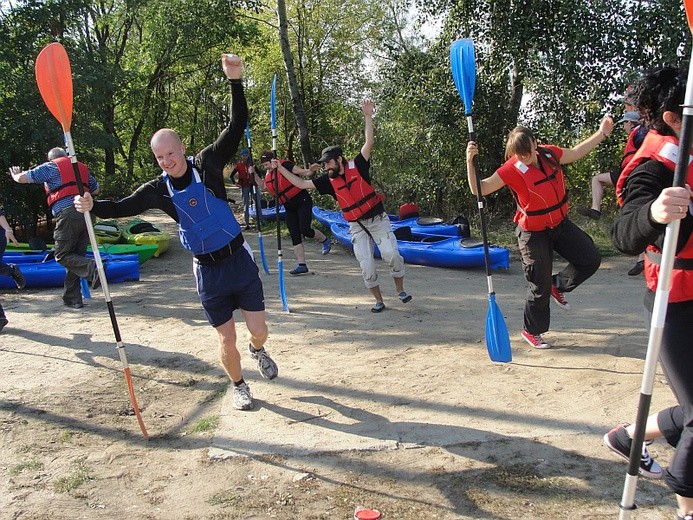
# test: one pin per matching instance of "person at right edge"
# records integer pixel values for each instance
(650, 202)
(191, 191)
(534, 175)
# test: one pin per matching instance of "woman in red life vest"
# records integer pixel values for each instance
(298, 205)
(649, 204)
(535, 177)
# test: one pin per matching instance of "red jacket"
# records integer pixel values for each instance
(68, 186)
(354, 195)
(539, 191)
(286, 189)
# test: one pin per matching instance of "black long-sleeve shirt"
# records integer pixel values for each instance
(634, 230)
(209, 163)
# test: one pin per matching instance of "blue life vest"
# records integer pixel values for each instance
(205, 222)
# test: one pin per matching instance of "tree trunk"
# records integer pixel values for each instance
(299, 112)
(516, 93)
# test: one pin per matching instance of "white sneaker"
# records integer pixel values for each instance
(267, 367)
(242, 397)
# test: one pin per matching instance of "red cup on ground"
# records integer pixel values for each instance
(367, 514)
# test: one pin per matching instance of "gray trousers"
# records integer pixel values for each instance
(71, 241)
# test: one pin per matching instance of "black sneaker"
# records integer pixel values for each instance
(637, 268)
(3, 322)
(589, 212)
(618, 441)
(18, 277)
(94, 280)
(73, 305)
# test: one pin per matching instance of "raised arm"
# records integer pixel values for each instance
(304, 184)
(488, 185)
(18, 175)
(581, 149)
(368, 107)
(218, 154)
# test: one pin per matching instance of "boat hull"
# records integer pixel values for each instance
(438, 250)
(52, 274)
(423, 225)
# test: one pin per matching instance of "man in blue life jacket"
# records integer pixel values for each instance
(191, 191)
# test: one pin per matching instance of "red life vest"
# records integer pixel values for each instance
(68, 184)
(539, 191)
(661, 148)
(630, 148)
(681, 289)
(354, 195)
(664, 149)
(245, 178)
(286, 189)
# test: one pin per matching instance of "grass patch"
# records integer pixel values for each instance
(204, 425)
(65, 436)
(218, 393)
(29, 465)
(79, 476)
(224, 499)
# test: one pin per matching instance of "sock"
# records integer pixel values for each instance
(239, 383)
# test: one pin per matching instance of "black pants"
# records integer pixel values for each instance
(299, 218)
(537, 249)
(670, 423)
(676, 359)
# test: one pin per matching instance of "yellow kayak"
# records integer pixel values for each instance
(107, 231)
(138, 231)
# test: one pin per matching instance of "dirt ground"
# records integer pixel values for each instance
(400, 411)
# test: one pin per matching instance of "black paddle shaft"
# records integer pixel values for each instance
(480, 199)
(276, 203)
(256, 189)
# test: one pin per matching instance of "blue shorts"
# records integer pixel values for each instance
(229, 284)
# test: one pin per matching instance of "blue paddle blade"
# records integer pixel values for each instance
(463, 65)
(85, 288)
(247, 132)
(262, 253)
(497, 338)
(273, 97)
(282, 291)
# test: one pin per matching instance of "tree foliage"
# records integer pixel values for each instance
(555, 65)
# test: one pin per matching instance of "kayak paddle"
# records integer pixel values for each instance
(258, 210)
(280, 261)
(463, 66)
(54, 80)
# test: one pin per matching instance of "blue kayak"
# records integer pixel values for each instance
(423, 225)
(436, 250)
(52, 274)
(269, 213)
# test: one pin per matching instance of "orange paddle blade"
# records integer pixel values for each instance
(688, 5)
(54, 80)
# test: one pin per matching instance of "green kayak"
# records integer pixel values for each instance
(144, 251)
